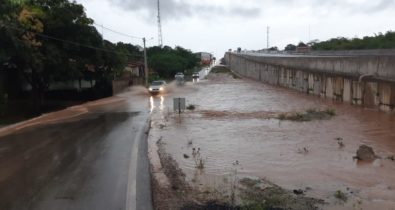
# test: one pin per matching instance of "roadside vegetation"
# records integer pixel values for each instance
(166, 61)
(308, 115)
(378, 41)
(341, 196)
(261, 195)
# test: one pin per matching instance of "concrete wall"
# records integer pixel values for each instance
(360, 80)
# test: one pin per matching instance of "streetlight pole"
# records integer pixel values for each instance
(145, 63)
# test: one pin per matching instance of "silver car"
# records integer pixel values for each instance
(157, 87)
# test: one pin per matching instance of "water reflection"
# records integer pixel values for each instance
(162, 100)
(152, 104)
(154, 100)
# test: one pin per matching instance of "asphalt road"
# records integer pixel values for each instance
(97, 160)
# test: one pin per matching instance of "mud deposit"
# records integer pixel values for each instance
(238, 132)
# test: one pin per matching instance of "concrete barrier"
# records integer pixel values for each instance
(360, 80)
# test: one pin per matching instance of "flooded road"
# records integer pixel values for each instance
(91, 156)
(235, 133)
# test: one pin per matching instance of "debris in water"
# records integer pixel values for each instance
(365, 153)
(304, 150)
(339, 139)
(190, 142)
(191, 107)
(341, 144)
(186, 156)
(298, 192)
(391, 158)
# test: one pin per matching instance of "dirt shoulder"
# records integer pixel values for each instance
(171, 190)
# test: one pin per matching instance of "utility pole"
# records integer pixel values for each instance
(145, 63)
(267, 36)
(160, 38)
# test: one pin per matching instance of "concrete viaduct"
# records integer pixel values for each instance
(364, 78)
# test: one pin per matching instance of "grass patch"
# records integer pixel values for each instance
(341, 195)
(257, 194)
(261, 194)
(308, 115)
(249, 182)
(330, 112)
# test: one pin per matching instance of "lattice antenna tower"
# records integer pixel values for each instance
(160, 38)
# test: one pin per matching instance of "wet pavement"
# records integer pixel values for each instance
(235, 133)
(92, 156)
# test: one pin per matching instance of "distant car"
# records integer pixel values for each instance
(179, 75)
(157, 87)
(195, 75)
(179, 78)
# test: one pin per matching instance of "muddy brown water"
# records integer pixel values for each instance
(294, 155)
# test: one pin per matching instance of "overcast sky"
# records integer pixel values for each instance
(218, 25)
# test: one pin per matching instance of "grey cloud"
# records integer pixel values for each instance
(174, 9)
(325, 7)
(344, 7)
(382, 5)
(246, 12)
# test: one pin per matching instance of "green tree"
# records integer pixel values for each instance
(302, 44)
(46, 41)
(167, 61)
(290, 47)
(134, 52)
(379, 41)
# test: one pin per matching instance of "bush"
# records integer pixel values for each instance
(341, 195)
(191, 107)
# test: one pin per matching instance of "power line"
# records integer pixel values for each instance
(119, 33)
(109, 29)
(67, 41)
